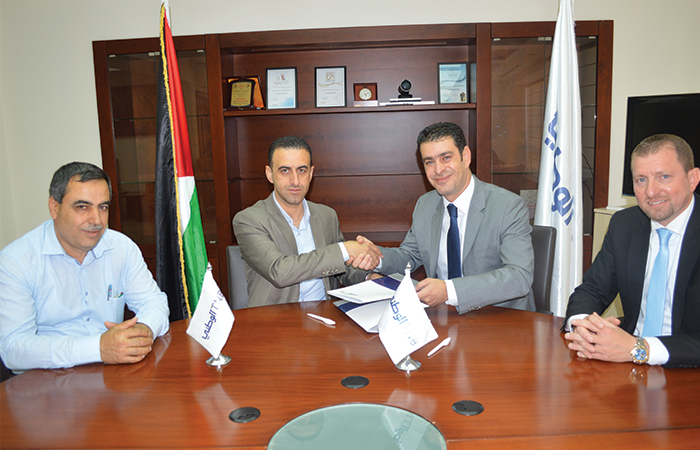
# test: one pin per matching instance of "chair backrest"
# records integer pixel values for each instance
(5, 373)
(237, 285)
(544, 240)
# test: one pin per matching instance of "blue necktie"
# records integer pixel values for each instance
(656, 294)
(454, 263)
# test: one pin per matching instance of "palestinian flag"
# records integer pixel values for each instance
(181, 253)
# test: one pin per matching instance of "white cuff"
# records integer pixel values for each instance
(451, 293)
(568, 322)
(344, 251)
(658, 353)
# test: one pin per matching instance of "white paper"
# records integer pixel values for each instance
(367, 315)
(365, 292)
(369, 291)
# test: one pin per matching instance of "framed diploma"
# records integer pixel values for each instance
(452, 83)
(330, 87)
(282, 88)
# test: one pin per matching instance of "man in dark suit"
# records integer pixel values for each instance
(490, 260)
(293, 248)
(651, 257)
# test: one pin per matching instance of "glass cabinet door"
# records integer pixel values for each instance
(132, 82)
(520, 74)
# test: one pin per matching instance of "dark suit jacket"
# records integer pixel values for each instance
(274, 268)
(497, 255)
(619, 268)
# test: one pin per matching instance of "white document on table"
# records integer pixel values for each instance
(366, 315)
(369, 291)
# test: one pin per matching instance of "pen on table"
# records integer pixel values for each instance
(444, 343)
(322, 319)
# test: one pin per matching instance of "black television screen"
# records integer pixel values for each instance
(674, 114)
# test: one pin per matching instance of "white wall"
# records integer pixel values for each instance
(48, 112)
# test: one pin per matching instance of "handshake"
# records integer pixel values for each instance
(363, 253)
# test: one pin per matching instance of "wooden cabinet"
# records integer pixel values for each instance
(366, 163)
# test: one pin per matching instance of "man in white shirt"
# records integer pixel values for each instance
(293, 248)
(651, 257)
(473, 238)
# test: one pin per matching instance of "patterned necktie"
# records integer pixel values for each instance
(656, 294)
(454, 263)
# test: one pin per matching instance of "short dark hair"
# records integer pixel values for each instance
(291, 142)
(441, 130)
(656, 142)
(65, 173)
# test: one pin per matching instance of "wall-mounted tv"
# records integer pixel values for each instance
(675, 114)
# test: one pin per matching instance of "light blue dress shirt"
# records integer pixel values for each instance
(53, 309)
(309, 290)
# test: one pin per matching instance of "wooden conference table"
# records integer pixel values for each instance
(535, 392)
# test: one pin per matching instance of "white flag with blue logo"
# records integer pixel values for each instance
(559, 199)
(404, 326)
(213, 319)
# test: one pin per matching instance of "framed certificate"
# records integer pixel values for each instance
(452, 83)
(330, 87)
(282, 88)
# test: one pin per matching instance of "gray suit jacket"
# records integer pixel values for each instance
(497, 255)
(274, 268)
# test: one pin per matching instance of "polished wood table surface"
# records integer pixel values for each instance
(535, 392)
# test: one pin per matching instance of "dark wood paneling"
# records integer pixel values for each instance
(104, 117)
(143, 45)
(481, 156)
(603, 114)
(219, 158)
(386, 67)
(538, 29)
(366, 37)
(342, 144)
(365, 204)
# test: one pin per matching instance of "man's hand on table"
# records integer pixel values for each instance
(126, 342)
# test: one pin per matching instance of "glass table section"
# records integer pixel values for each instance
(358, 425)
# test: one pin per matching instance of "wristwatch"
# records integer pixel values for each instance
(640, 352)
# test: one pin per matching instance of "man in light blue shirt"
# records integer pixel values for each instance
(64, 285)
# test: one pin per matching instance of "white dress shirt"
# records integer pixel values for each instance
(658, 354)
(462, 203)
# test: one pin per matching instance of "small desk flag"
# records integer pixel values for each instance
(404, 326)
(213, 319)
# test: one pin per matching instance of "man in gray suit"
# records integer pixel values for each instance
(481, 254)
(293, 248)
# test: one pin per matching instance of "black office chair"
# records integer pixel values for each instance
(544, 241)
(5, 373)
(237, 285)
